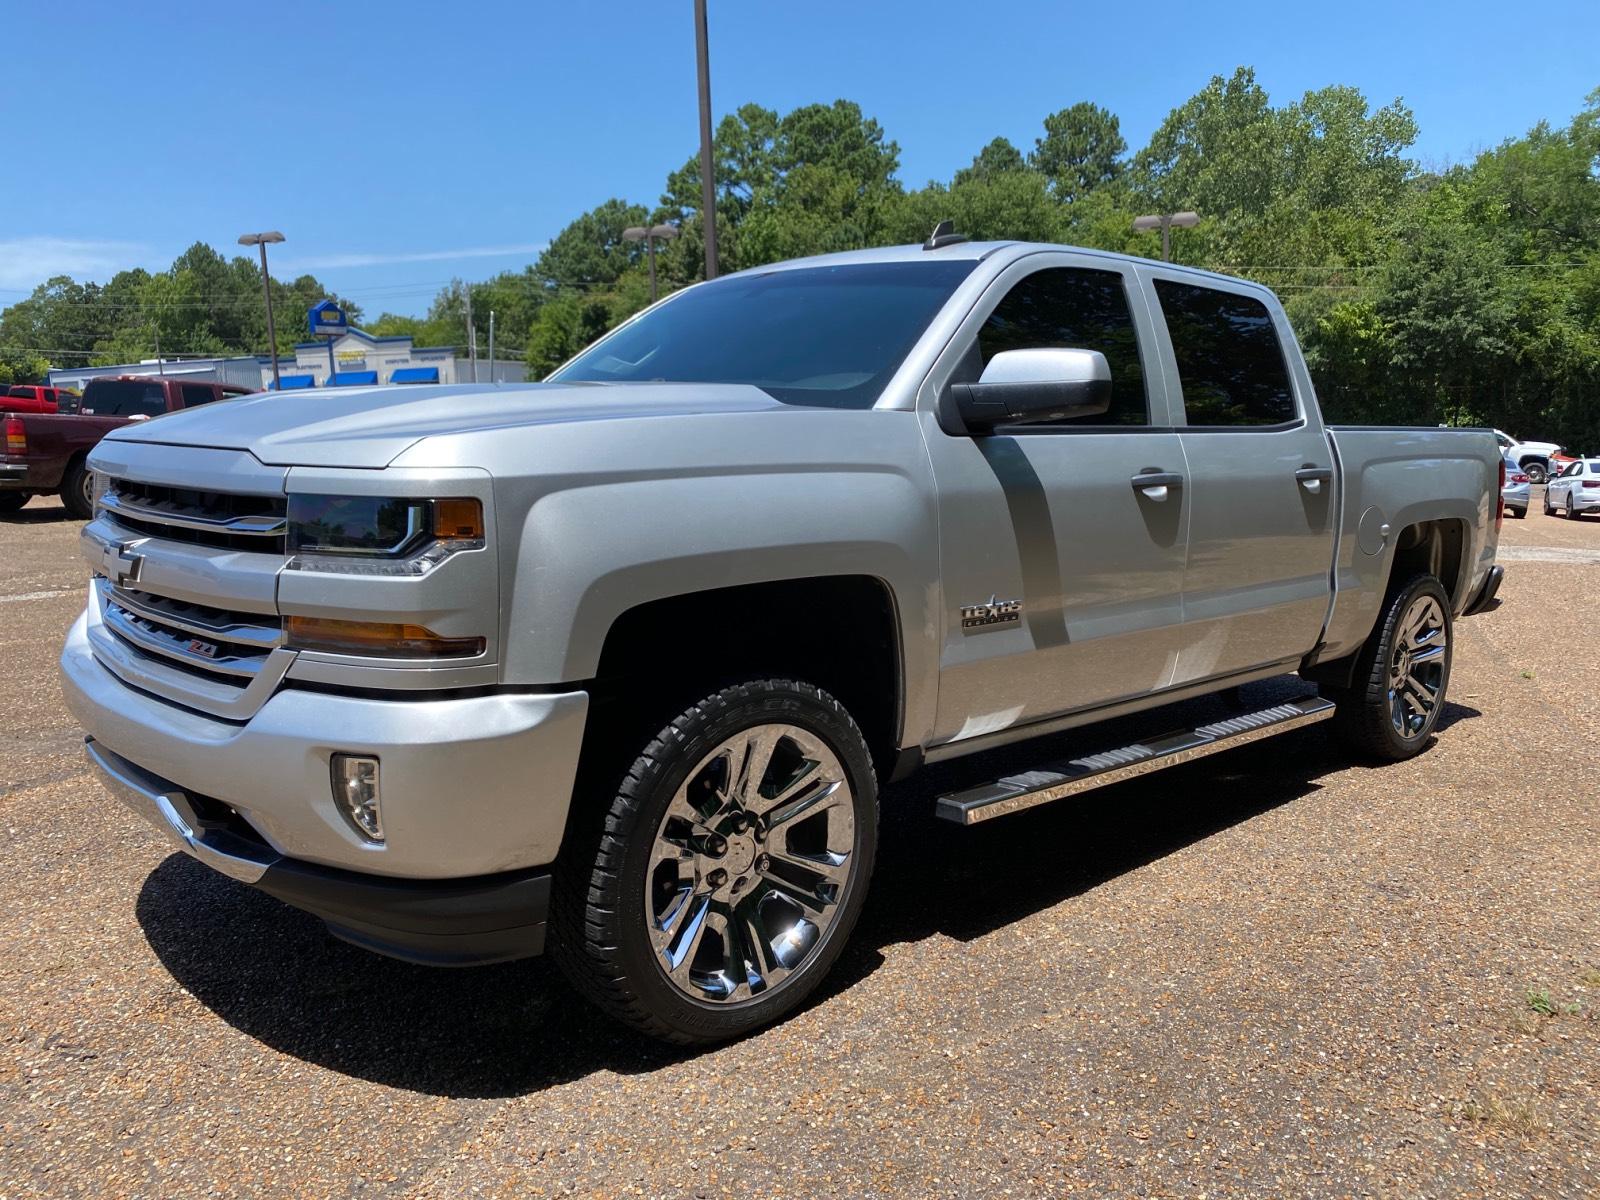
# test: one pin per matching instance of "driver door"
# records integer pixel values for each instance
(1062, 577)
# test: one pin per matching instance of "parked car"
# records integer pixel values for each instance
(619, 662)
(1532, 457)
(30, 397)
(45, 453)
(1575, 491)
(1514, 495)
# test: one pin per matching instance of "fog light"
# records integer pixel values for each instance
(355, 790)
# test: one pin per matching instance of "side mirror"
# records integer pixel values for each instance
(1023, 386)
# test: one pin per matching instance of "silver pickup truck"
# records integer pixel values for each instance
(627, 655)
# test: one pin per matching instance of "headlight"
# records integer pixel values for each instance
(371, 535)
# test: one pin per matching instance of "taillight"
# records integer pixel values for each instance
(1519, 477)
(1591, 483)
(16, 436)
(1500, 500)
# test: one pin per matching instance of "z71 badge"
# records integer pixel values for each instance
(992, 612)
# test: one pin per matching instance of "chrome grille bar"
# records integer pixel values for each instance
(184, 517)
(214, 624)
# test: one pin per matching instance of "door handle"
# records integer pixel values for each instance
(1153, 485)
(1313, 477)
(1156, 479)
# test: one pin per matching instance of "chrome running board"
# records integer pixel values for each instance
(1031, 788)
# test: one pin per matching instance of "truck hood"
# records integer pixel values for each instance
(371, 427)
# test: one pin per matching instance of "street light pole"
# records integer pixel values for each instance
(648, 235)
(260, 241)
(1165, 222)
(708, 183)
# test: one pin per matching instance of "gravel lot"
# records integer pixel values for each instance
(1270, 973)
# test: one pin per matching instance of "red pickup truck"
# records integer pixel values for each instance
(33, 397)
(43, 452)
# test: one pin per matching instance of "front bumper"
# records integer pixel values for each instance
(455, 922)
(472, 786)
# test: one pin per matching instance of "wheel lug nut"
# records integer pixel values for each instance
(763, 862)
(716, 847)
(738, 884)
(717, 878)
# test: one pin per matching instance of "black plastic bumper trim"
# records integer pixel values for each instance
(437, 922)
(1486, 600)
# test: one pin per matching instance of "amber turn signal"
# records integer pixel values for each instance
(377, 639)
(456, 519)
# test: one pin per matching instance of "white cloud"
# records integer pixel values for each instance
(325, 262)
(27, 262)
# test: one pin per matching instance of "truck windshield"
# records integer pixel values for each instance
(821, 336)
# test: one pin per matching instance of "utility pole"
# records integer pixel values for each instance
(491, 347)
(472, 337)
(161, 368)
(708, 183)
(260, 240)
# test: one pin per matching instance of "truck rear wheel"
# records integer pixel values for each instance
(731, 867)
(77, 494)
(1400, 675)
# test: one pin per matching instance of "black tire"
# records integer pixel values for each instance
(1365, 718)
(76, 496)
(1572, 508)
(1520, 514)
(11, 502)
(1535, 470)
(1548, 511)
(607, 896)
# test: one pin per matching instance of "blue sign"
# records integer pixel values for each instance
(327, 319)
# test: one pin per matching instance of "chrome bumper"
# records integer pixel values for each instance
(169, 810)
(437, 922)
(472, 786)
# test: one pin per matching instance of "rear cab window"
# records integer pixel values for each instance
(1231, 366)
(123, 398)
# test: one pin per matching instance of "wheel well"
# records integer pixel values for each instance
(838, 632)
(1436, 547)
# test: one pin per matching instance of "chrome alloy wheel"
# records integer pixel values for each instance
(1416, 668)
(750, 864)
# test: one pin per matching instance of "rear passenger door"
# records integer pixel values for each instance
(1262, 503)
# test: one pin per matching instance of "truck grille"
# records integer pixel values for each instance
(212, 641)
(224, 519)
(168, 577)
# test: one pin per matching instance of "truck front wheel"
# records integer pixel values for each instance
(732, 864)
(1400, 675)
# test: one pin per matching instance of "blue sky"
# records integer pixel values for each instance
(398, 145)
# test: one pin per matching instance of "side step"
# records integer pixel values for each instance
(1031, 788)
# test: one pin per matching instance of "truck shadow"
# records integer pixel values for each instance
(274, 973)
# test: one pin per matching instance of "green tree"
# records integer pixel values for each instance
(1081, 150)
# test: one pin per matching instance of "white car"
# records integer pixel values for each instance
(1532, 457)
(1575, 491)
(1514, 496)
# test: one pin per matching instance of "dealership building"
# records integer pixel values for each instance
(357, 358)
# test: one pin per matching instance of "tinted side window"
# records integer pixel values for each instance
(1229, 361)
(1074, 309)
(197, 393)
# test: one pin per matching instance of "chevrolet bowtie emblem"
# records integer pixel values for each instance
(121, 563)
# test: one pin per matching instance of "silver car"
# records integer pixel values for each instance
(1514, 495)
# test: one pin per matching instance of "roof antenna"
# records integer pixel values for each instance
(944, 234)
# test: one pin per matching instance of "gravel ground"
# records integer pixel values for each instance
(1270, 973)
